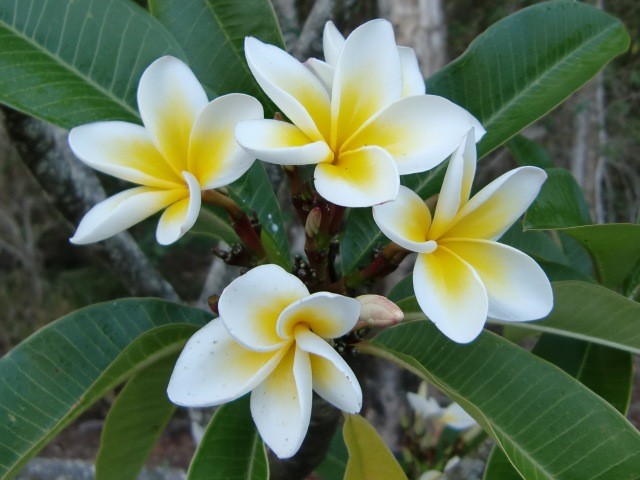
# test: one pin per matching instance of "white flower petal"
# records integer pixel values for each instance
(280, 142)
(455, 187)
(517, 287)
(281, 404)
(123, 150)
(406, 221)
(419, 131)
(412, 80)
(123, 210)
(359, 178)
(425, 407)
(291, 86)
(170, 98)
(178, 218)
(333, 379)
(213, 368)
(322, 70)
(367, 79)
(251, 304)
(451, 294)
(455, 417)
(494, 208)
(332, 43)
(327, 314)
(215, 158)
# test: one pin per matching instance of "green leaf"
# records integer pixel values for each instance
(528, 152)
(604, 370)
(213, 222)
(369, 457)
(511, 75)
(54, 375)
(534, 243)
(253, 191)
(74, 62)
(231, 448)
(581, 310)
(499, 467)
(559, 204)
(135, 422)
(334, 464)
(549, 425)
(212, 34)
(614, 248)
(528, 63)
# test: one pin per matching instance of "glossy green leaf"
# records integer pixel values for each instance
(369, 457)
(606, 371)
(614, 248)
(549, 425)
(134, 423)
(54, 375)
(511, 75)
(334, 464)
(632, 283)
(253, 191)
(74, 62)
(212, 34)
(213, 222)
(231, 448)
(499, 467)
(534, 243)
(581, 310)
(528, 63)
(559, 204)
(529, 152)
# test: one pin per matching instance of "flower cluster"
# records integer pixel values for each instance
(362, 118)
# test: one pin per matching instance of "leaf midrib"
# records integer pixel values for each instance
(545, 73)
(70, 67)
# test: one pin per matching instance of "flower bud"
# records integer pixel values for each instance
(379, 311)
(312, 225)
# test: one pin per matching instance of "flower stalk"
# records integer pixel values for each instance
(247, 229)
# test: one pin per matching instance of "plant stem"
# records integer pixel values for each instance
(247, 229)
(381, 266)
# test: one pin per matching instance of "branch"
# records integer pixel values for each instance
(312, 29)
(74, 189)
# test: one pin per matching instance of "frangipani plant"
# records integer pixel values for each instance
(355, 131)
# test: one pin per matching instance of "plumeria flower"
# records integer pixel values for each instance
(332, 43)
(362, 134)
(462, 274)
(452, 416)
(187, 145)
(271, 339)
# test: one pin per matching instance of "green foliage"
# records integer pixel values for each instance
(135, 421)
(54, 375)
(369, 457)
(212, 33)
(254, 192)
(231, 448)
(77, 62)
(335, 463)
(549, 425)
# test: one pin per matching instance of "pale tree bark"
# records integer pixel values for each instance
(74, 188)
(419, 24)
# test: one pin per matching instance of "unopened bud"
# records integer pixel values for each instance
(312, 225)
(379, 311)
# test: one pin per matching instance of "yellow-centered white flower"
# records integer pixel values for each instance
(365, 131)
(462, 274)
(271, 339)
(452, 416)
(186, 145)
(332, 43)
